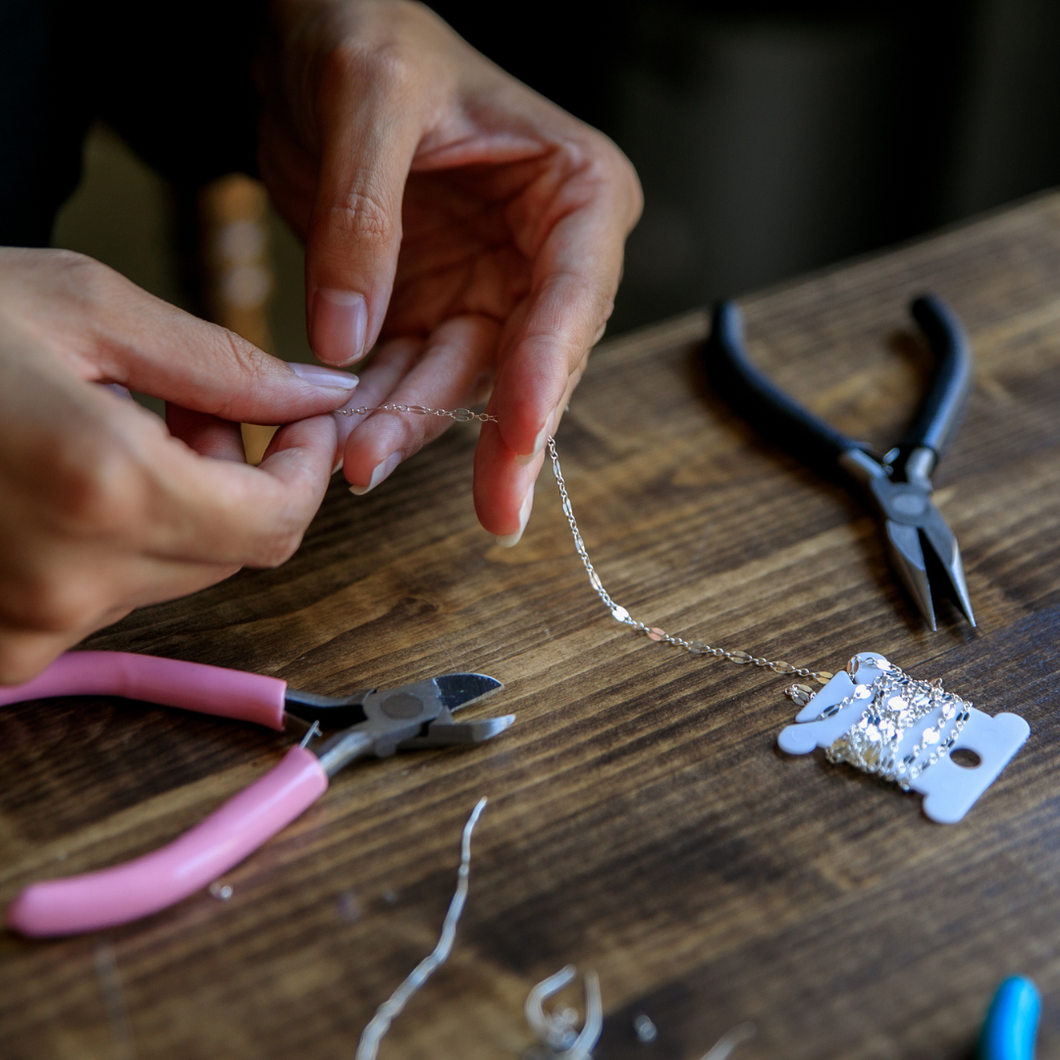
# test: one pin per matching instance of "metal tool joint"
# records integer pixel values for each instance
(862, 466)
(342, 749)
(918, 466)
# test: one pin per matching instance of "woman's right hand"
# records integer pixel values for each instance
(101, 508)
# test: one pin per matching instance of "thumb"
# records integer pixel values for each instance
(146, 344)
(108, 330)
(369, 139)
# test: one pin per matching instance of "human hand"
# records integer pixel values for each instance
(471, 227)
(103, 510)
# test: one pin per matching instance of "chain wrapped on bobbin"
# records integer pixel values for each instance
(893, 704)
(618, 612)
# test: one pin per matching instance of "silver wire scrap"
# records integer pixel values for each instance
(724, 1046)
(389, 1010)
(555, 1029)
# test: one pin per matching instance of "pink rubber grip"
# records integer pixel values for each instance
(147, 884)
(190, 686)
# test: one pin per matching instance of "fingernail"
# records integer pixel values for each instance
(508, 540)
(340, 323)
(543, 436)
(381, 471)
(318, 375)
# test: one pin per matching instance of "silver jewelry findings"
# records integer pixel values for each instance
(555, 1030)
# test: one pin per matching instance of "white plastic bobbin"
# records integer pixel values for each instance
(949, 786)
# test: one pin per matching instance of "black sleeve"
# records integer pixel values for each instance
(173, 79)
(41, 125)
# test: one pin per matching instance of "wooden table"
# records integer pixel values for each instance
(641, 822)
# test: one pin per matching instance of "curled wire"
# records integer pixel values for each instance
(555, 1029)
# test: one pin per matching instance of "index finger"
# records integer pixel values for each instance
(574, 278)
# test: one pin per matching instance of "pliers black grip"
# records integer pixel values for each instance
(898, 485)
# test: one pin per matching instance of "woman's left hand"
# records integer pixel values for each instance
(468, 226)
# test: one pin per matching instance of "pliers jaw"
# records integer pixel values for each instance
(909, 557)
(340, 712)
(923, 548)
(445, 732)
(456, 691)
(413, 717)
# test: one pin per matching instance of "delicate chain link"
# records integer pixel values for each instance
(460, 415)
(618, 612)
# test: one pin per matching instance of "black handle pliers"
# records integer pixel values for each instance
(922, 546)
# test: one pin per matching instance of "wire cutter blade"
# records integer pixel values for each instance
(414, 717)
(458, 691)
(335, 712)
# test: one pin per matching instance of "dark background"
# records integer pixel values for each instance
(773, 138)
(770, 138)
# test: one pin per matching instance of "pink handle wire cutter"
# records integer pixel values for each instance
(373, 722)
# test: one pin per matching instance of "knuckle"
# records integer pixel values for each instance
(634, 191)
(390, 67)
(89, 281)
(608, 165)
(74, 263)
(603, 299)
(67, 296)
(98, 494)
(277, 543)
(252, 367)
(244, 353)
(384, 62)
(363, 213)
(45, 601)
(279, 548)
(71, 261)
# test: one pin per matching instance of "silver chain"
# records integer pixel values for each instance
(894, 703)
(618, 612)
(460, 415)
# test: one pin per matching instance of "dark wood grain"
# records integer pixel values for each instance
(641, 821)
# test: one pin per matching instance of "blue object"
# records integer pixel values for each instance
(1011, 1022)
